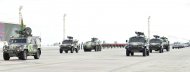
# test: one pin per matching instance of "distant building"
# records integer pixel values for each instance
(7, 30)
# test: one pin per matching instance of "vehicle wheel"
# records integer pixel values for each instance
(132, 53)
(144, 52)
(168, 49)
(40, 51)
(147, 53)
(160, 50)
(37, 55)
(127, 52)
(23, 55)
(172, 47)
(76, 50)
(66, 51)
(19, 58)
(72, 50)
(150, 50)
(96, 49)
(6, 56)
(60, 50)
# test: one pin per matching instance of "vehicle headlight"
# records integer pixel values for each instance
(5, 48)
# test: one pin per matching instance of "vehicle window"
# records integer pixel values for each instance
(155, 41)
(137, 39)
(18, 41)
(67, 41)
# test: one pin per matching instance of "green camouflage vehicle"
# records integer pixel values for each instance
(137, 44)
(156, 44)
(69, 45)
(166, 43)
(94, 44)
(23, 46)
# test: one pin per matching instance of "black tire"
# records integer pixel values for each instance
(60, 51)
(72, 50)
(150, 50)
(147, 53)
(66, 51)
(168, 49)
(96, 49)
(160, 50)
(76, 50)
(23, 55)
(6, 56)
(19, 58)
(132, 53)
(127, 52)
(144, 52)
(40, 51)
(37, 55)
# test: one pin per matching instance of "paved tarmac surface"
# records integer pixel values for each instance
(109, 60)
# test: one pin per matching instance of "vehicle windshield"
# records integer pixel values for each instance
(67, 42)
(18, 41)
(155, 41)
(164, 40)
(137, 39)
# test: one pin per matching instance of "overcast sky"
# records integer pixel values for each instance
(109, 20)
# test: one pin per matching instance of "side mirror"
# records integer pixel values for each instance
(126, 40)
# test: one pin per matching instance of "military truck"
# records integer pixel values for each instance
(69, 45)
(22, 46)
(166, 43)
(94, 44)
(137, 44)
(156, 44)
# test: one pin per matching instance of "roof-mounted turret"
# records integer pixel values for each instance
(25, 32)
(164, 37)
(94, 39)
(156, 36)
(139, 33)
(70, 37)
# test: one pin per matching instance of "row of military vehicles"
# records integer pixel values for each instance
(73, 46)
(141, 44)
(27, 45)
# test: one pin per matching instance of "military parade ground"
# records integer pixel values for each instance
(108, 60)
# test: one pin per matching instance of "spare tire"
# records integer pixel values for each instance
(28, 31)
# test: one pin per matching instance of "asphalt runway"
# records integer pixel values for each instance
(108, 60)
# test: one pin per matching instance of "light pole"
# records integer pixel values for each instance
(148, 30)
(64, 27)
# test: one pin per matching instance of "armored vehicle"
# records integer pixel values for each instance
(69, 45)
(166, 43)
(156, 44)
(22, 46)
(94, 44)
(137, 44)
